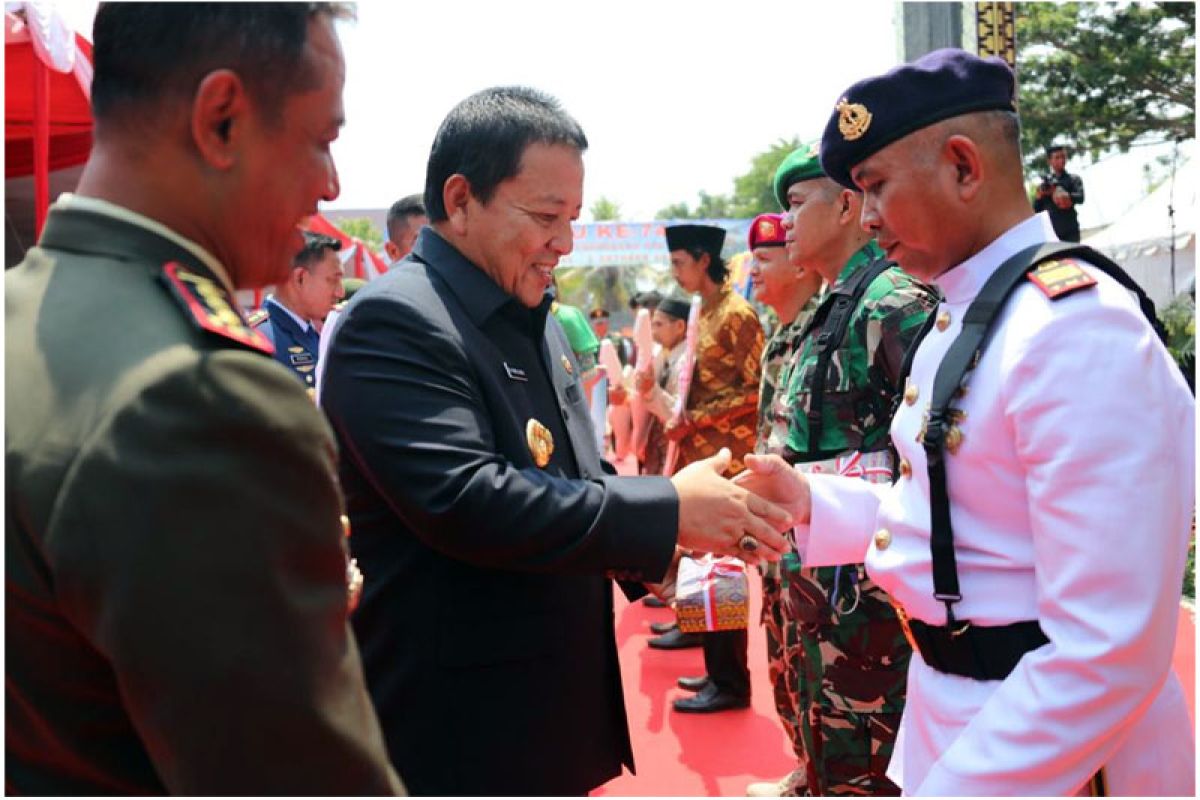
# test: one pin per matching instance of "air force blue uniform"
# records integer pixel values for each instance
(295, 347)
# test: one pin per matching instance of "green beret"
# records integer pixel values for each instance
(803, 164)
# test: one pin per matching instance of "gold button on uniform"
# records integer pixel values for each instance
(943, 320)
(910, 392)
(905, 468)
(883, 538)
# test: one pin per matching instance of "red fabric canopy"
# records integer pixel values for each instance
(361, 261)
(70, 117)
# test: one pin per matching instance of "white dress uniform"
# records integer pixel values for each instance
(1071, 501)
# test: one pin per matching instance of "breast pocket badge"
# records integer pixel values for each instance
(540, 441)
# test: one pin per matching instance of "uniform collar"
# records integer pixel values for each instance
(864, 255)
(476, 291)
(301, 323)
(963, 282)
(94, 205)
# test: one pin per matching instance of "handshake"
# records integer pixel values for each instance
(742, 517)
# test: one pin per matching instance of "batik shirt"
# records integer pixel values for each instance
(723, 400)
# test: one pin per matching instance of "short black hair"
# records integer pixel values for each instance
(146, 54)
(649, 300)
(717, 271)
(401, 211)
(484, 137)
(315, 245)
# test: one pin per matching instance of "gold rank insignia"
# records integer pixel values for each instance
(540, 441)
(1059, 278)
(853, 119)
(208, 305)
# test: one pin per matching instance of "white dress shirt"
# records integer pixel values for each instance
(1071, 502)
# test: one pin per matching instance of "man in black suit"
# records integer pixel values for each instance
(484, 520)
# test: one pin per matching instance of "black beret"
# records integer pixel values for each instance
(675, 307)
(707, 237)
(883, 109)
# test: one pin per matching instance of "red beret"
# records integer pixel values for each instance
(766, 231)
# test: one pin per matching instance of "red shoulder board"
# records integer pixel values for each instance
(208, 305)
(1060, 278)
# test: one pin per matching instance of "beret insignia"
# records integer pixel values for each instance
(766, 229)
(1060, 278)
(853, 119)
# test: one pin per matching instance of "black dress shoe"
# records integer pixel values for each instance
(710, 699)
(659, 628)
(693, 684)
(676, 640)
(653, 602)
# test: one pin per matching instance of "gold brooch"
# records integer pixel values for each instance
(540, 441)
(853, 119)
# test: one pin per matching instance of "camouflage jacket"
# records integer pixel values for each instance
(779, 351)
(857, 402)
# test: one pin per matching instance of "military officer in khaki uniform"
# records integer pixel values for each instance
(175, 575)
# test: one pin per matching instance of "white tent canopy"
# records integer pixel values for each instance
(1140, 239)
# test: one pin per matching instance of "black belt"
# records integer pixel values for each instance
(982, 653)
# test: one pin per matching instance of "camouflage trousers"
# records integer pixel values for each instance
(838, 670)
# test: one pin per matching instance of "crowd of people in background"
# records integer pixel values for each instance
(215, 585)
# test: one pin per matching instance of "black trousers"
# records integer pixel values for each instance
(725, 660)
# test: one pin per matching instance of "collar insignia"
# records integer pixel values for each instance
(209, 307)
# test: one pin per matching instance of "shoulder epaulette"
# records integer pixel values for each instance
(1059, 277)
(258, 316)
(209, 307)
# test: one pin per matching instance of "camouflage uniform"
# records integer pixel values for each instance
(779, 352)
(842, 648)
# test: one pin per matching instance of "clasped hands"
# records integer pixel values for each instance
(744, 517)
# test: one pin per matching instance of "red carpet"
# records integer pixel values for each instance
(718, 754)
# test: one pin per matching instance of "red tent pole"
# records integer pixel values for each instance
(41, 143)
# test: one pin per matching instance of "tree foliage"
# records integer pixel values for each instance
(361, 228)
(753, 192)
(605, 210)
(1104, 76)
(710, 206)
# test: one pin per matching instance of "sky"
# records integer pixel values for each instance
(675, 97)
